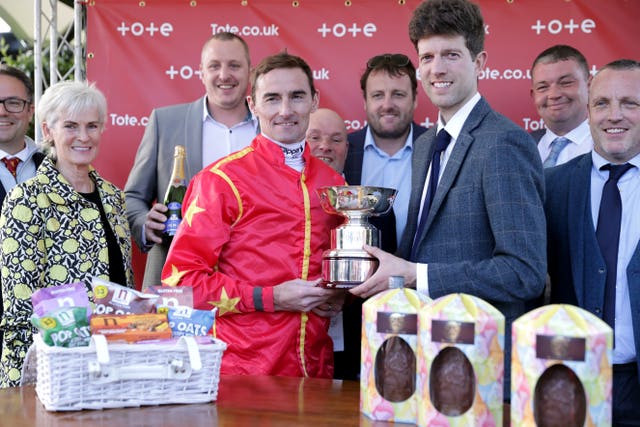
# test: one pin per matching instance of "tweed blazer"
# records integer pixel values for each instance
(537, 134)
(576, 266)
(485, 232)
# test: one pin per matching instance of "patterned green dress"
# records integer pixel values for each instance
(51, 235)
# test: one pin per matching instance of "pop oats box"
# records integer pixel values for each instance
(561, 368)
(388, 374)
(460, 363)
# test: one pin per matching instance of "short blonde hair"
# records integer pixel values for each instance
(68, 98)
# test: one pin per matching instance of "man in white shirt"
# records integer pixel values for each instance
(560, 79)
(476, 222)
(210, 128)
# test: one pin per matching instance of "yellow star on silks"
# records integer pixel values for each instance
(226, 304)
(175, 277)
(192, 210)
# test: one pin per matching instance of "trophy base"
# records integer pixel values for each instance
(346, 269)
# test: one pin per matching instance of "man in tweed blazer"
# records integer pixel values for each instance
(484, 233)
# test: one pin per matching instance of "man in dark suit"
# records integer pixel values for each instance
(559, 81)
(584, 270)
(19, 154)
(477, 225)
(380, 155)
(209, 128)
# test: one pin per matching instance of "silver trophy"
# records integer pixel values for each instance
(346, 264)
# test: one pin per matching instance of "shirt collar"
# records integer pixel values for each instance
(599, 161)
(206, 115)
(578, 136)
(369, 141)
(24, 154)
(454, 127)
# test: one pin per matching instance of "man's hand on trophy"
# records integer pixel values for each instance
(300, 295)
(390, 265)
(333, 305)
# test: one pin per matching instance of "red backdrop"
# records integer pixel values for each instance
(145, 54)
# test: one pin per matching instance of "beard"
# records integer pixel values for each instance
(396, 132)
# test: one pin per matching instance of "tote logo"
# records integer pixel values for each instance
(556, 26)
(138, 29)
(340, 30)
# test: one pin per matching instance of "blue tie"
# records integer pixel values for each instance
(441, 143)
(556, 147)
(608, 235)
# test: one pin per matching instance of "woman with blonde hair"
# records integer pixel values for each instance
(66, 224)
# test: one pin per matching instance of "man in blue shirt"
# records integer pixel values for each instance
(380, 155)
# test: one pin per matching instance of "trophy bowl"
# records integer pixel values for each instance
(346, 264)
(357, 200)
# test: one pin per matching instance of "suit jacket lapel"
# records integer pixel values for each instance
(420, 160)
(580, 223)
(353, 165)
(456, 159)
(193, 138)
(633, 282)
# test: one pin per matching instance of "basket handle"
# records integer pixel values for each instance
(176, 369)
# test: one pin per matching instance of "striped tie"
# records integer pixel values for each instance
(556, 147)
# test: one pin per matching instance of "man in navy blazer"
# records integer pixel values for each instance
(484, 233)
(209, 128)
(577, 268)
(380, 154)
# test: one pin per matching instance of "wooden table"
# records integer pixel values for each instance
(242, 401)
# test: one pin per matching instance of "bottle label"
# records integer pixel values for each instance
(174, 218)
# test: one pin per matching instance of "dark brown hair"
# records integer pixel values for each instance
(448, 18)
(280, 60)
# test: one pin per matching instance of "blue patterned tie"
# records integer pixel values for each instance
(441, 143)
(608, 235)
(556, 147)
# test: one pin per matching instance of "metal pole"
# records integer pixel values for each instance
(37, 65)
(53, 43)
(77, 42)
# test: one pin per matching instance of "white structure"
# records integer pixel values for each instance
(56, 28)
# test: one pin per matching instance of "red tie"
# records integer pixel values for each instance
(11, 164)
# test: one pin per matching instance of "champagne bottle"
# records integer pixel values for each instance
(174, 195)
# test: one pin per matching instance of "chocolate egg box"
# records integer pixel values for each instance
(561, 368)
(460, 362)
(388, 375)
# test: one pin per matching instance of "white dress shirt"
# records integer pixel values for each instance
(219, 141)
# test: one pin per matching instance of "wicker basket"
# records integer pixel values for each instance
(123, 375)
